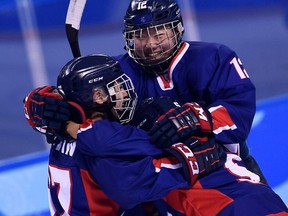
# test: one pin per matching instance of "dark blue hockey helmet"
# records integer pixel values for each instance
(81, 77)
(148, 13)
(146, 19)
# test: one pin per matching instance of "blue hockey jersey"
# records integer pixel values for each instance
(72, 190)
(111, 159)
(122, 151)
(204, 72)
(131, 171)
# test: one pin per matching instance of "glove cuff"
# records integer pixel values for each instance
(203, 115)
(77, 113)
(189, 163)
(27, 108)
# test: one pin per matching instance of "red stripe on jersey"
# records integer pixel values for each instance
(87, 123)
(180, 52)
(99, 203)
(169, 162)
(221, 119)
(279, 214)
(166, 81)
(197, 201)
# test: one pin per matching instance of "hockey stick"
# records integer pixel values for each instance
(72, 24)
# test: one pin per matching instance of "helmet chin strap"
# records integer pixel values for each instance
(98, 116)
(158, 69)
(102, 113)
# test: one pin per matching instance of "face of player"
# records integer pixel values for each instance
(154, 44)
(120, 95)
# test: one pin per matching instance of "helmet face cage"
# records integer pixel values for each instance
(123, 97)
(152, 46)
(153, 31)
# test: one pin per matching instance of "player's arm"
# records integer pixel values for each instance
(226, 102)
(138, 171)
(233, 102)
(126, 144)
(132, 179)
(130, 182)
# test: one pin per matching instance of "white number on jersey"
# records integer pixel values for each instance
(244, 174)
(237, 64)
(60, 183)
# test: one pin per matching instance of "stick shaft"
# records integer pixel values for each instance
(72, 24)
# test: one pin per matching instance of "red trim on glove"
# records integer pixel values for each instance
(188, 160)
(48, 92)
(27, 110)
(204, 117)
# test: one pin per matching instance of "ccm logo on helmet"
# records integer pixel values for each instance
(95, 79)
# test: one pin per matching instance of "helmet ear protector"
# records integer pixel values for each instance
(81, 77)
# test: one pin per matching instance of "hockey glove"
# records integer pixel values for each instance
(46, 109)
(199, 161)
(180, 124)
(150, 110)
(45, 106)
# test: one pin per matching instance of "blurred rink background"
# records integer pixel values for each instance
(33, 48)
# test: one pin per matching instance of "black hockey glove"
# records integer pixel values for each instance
(181, 123)
(150, 110)
(45, 108)
(198, 160)
(203, 150)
